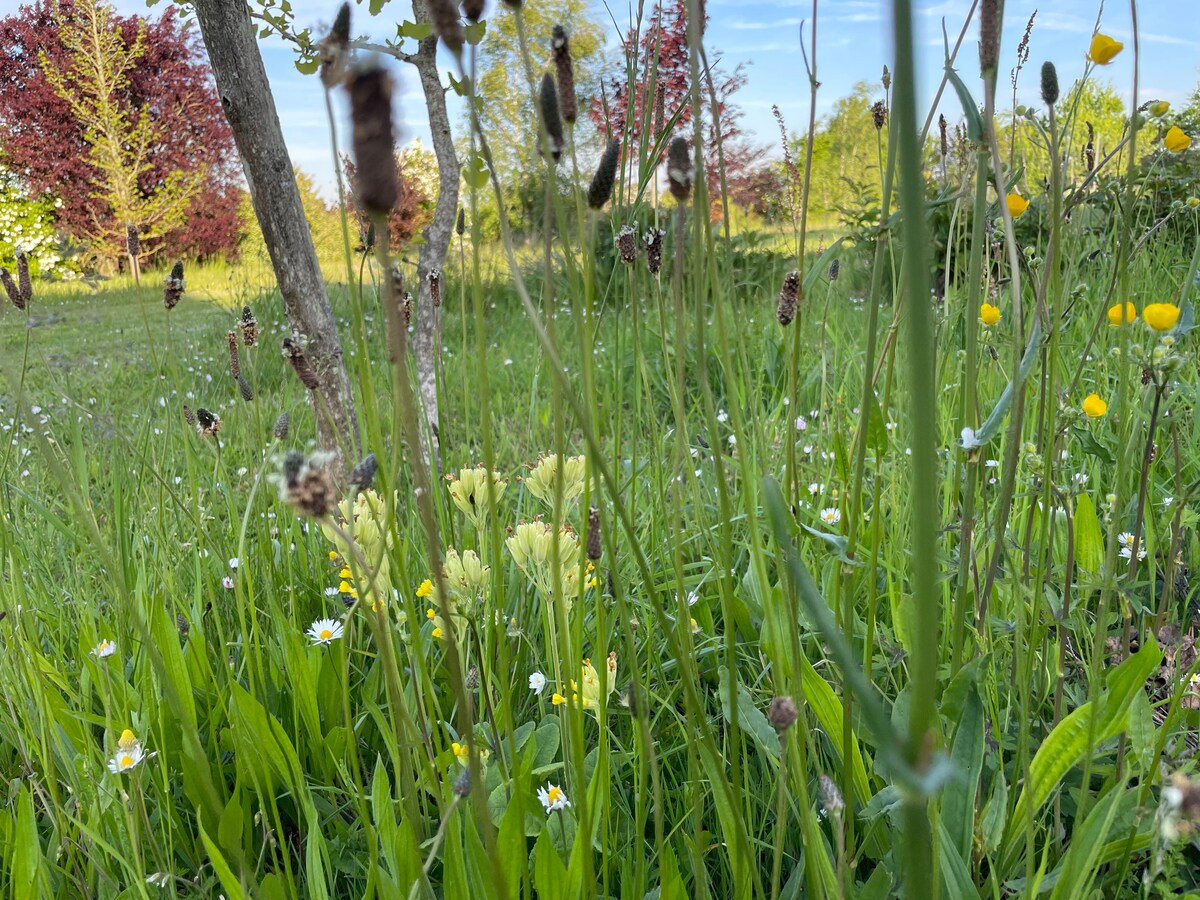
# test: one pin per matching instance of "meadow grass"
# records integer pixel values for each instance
(693, 604)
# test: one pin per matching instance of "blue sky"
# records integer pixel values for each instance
(853, 43)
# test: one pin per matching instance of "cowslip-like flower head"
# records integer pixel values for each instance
(470, 492)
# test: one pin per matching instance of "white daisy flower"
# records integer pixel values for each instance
(104, 649)
(537, 683)
(129, 753)
(969, 440)
(553, 797)
(831, 515)
(1126, 538)
(325, 631)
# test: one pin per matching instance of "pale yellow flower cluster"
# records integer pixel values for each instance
(546, 475)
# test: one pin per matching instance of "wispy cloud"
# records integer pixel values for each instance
(745, 25)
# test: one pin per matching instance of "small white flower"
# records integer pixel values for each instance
(104, 649)
(553, 797)
(227, 583)
(814, 488)
(992, 463)
(331, 592)
(537, 683)
(831, 515)
(233, 562)
(732, 439)
(693, 598)
(969, 440)
(325, 631)
(722, 416)
(1080, 478)
(1126, 538)
(129, 753)
(1167, 501)
(801, 423)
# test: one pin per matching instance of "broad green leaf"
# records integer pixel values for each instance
(473, 32)
(955, 875)
(1089, 542)
(549, 873)
(1068, 744)
(749, 717)
(958, 800)
(825, 704)
(230, 882)
(1078, 868)
(307, 66)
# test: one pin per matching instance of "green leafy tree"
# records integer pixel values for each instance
(121, 138)
(27, 225)
(506, 107)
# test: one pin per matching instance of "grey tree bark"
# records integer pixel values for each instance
(231, 41)
(427, 333)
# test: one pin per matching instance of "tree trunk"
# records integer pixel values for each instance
(232, 45)
(426, 343)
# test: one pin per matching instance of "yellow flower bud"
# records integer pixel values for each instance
(1161, 316)
(1118, 315)
(1158, 107)
(1094, 406)
(1016, 205)
(1103, 49)
(1176, 140)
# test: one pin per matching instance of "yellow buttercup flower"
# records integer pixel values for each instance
(426, 589)
(1161, 316)
(1016, 205)
(1094, 406)
(558, 699)
(1158, 107)
(437, 634)
(1103, 49)
(1176, 139)
(1118, 315)
(989, 314)
(461, 753)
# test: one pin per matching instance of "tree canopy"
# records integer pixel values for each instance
(155, 116)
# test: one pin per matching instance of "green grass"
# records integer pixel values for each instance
(990, 698)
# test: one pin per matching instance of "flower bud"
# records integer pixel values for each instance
(1049, 83)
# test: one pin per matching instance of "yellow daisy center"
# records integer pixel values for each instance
(326, 634)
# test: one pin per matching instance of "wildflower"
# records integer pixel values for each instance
(249, 327)
(104, 649)
(293, 352)
(831, 515)
(563, 68)
(362, 476)
(1176, 139)
(1049, 83)
(462, 753)
(1094, 406)
(653, 239)
(553, 797)
(594, 547)
(366, 518)
(474, 490)
(1103, 49)
(542, 480)
(325, 631)
(426, 589)
(1126, 540)
(465, 577)
(626, 241)
(233, 562)
(782, 713)
(968, 440)
(280, 430)
(989, 314)
(1016, 205)
(692, 598)
(437, 634)
(1161, 316)
(208, 424)
(129, 753)
(1158, 108)
(558, 699)
(537, 683)
(1119, 315)
(227, 583)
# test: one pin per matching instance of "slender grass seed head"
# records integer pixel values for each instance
(627, 244)
(679, 169)
(551, 117)
(789, 299)
(10, 288)
(447, 23)
(564, 71)
(373, 137)
(1049, 83)
(653, 239)
(25, 283)
(173, 286)
(280, 429)
(601, 188)
(293, 352)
